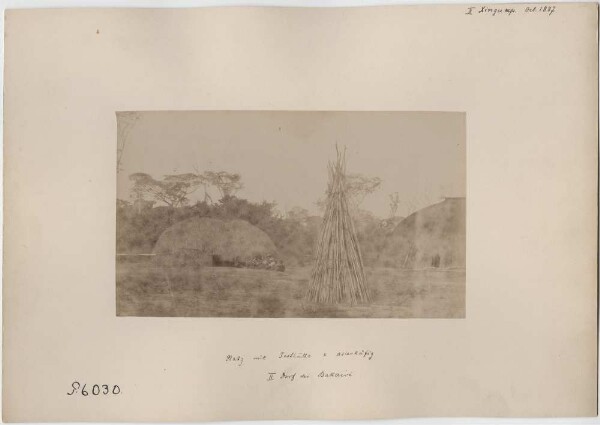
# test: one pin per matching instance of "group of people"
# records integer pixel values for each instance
(266, 262)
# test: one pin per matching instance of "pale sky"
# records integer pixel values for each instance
(282, 156)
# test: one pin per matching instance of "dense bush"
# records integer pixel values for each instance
(138, 229)
(295, 235)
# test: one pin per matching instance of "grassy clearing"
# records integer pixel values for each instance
(144, 289)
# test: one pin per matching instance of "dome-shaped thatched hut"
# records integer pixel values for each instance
(432, 237)
(211, 241)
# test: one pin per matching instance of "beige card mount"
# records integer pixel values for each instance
(300, 213)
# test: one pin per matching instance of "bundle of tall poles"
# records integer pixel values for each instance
(338, 273)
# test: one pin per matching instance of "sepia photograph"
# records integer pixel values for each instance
(291, 214)
(264, 212)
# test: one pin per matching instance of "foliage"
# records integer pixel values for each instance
(173, 190)
(294, 237)
(359, 186)
(294, 234)
(157, 204)
(226, 183)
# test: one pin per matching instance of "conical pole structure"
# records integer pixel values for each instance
(338, 273)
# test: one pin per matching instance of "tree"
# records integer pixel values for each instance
(125, 123)
(205, 182)
(298, 215)
(359, 186)
(180, 186)
(173, 190)
(233, 207)
(394, 203)
(226, 183)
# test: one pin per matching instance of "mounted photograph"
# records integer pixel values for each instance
(291, 214)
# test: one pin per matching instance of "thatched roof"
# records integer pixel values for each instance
(437, 230)
(211, 236)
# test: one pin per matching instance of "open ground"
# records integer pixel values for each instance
(145, 289)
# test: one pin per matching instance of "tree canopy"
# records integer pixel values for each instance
(174, 189)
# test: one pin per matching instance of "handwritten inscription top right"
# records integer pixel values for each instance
(547, 10)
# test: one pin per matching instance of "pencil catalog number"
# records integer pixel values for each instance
(93, 390)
